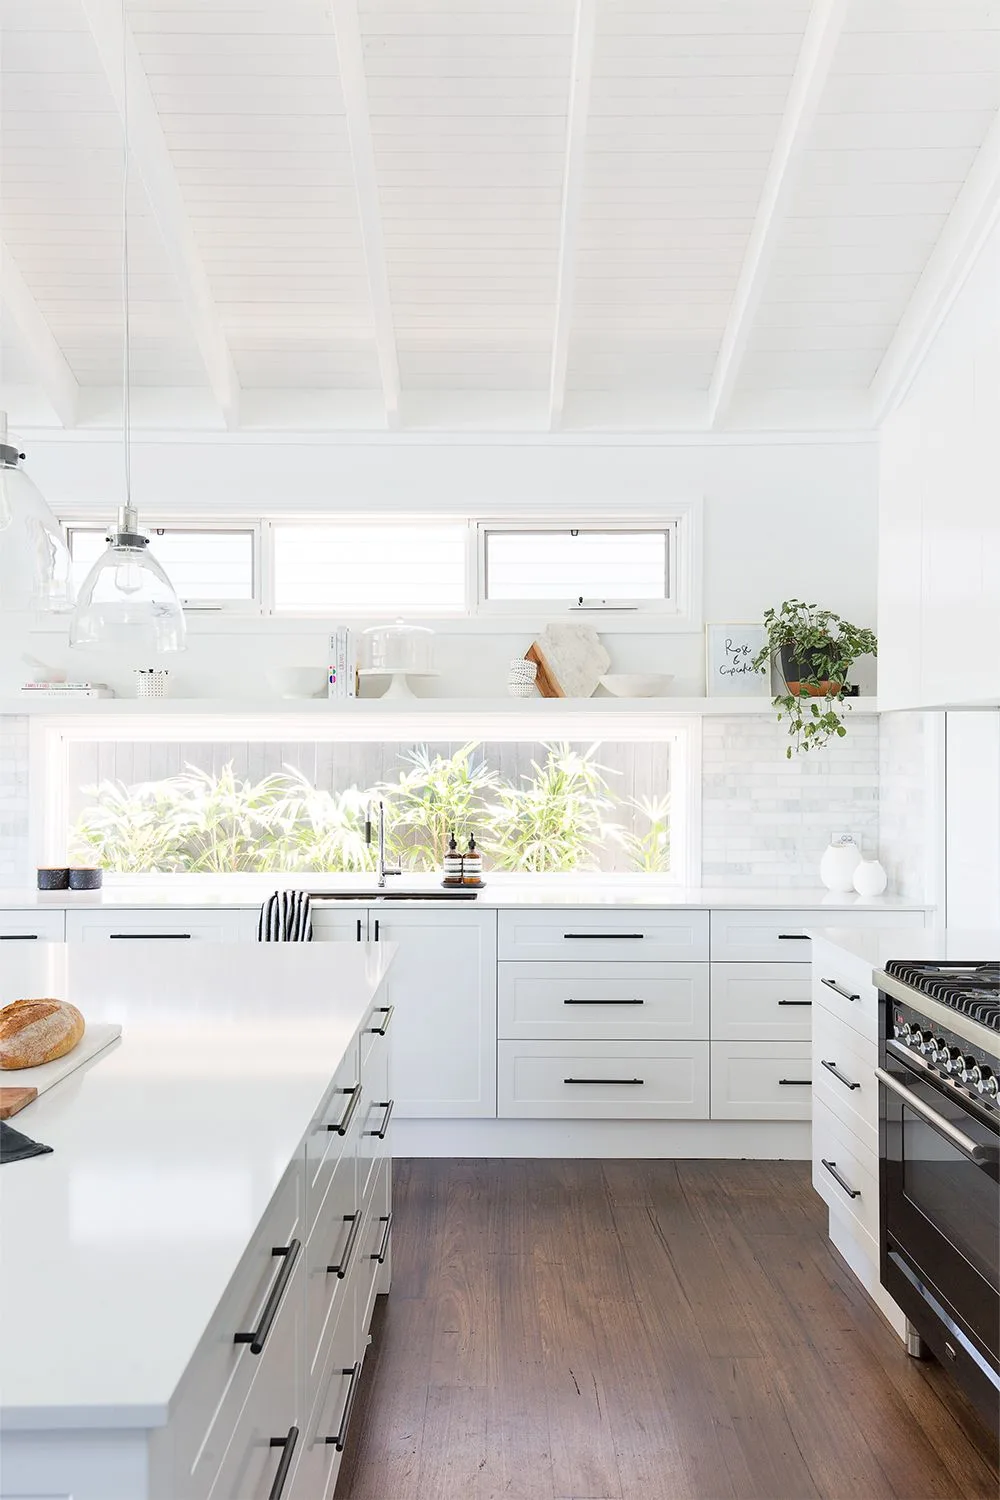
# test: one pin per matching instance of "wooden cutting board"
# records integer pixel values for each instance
(20, 1092)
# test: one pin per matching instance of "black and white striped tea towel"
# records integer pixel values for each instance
(286, 917)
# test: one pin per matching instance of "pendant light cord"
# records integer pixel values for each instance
(127, 342)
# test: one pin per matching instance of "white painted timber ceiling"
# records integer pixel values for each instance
(542, 215)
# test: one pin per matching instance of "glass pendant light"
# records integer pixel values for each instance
(126, 601)
(34, 558)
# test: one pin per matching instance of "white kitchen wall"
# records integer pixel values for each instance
(911, 803)
(13, 799)
(781, 518)
(973, 819)
(765, 819)
(939, 541)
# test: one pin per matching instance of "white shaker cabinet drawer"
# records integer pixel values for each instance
(333, 1132)
(844, 1075)
(845, 1172)
(780, 936)
(321, 1444)
(761, 1081)
(265, 1445)
(30, 927)
(603, 934)
(603, 1080)
(846, 992)
(264, 1289)
(546, 1001)
(761, 1002)
(223, 926)
(331, 1254)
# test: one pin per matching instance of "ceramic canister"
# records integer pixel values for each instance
(836, 868)
(870, 878)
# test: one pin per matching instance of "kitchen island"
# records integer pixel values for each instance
(186, 1282)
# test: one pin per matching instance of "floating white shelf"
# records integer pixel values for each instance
(528, 709)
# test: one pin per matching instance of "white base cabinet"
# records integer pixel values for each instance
(603, 1080)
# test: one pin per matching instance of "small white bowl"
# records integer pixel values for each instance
(297, 682)
(636, 684)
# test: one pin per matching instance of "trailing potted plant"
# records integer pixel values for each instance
(814, 651)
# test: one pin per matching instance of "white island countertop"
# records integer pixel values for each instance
(875, 946)
(167, 1149)
(219, 892)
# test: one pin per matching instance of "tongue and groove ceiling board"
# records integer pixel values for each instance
(434, 214)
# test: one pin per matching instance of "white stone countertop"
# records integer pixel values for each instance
(219, 892)
(875, 946)
(167, 1149)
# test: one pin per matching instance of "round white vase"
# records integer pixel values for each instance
(869, 878)
(836, 868)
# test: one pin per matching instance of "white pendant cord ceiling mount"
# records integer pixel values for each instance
(127, 602)
(34, 558)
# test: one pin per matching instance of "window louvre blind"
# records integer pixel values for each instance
(370, 569)
(201, 565)
(575, 564)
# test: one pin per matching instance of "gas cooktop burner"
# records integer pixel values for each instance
(972, 988)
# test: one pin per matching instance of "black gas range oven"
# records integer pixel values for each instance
(939, 1164)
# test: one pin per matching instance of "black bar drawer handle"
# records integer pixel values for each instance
(832, 1068)
(832, 984)
(359, 929)
(382, 1010)
(343, 1125)
(354, 1220)
(287, 1445)
(257, 1337)
(795, 1002)
(355, 1373)
(604, 937)
(604, 1002)
(378, 930)
(18, 937)
(831, 1167)
(793, 937)
(383, 1249)
(604, 1080)
(795, 1083)
(146, 936)
(387, 1105)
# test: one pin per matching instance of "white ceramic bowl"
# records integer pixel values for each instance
(297, 682)
(636, 684)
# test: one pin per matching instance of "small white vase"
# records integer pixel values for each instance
(870, 878)
(836, 868)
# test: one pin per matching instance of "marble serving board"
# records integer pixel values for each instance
(21, 1081)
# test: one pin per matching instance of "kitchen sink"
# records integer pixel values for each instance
(319, 898)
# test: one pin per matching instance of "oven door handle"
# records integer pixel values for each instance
(981, 1155)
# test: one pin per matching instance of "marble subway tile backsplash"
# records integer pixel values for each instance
(767, 819)
(13, 799)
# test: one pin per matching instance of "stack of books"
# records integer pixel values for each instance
(342, 681)
(67, 690)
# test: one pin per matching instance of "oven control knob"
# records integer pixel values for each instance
(928, 1044)
(986, 1083)
(920, 1039)
(952, 1060)
(967, 1067)
(940, 1052)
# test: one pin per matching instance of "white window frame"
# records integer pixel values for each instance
(215, 527)
(50, 737)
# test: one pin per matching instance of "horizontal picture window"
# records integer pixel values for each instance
(215, 567)
(380, 569)
(577, 565)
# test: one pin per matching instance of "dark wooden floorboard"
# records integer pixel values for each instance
(567, 1330)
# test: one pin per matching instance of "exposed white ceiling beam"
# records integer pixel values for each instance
(354, 84)
(572, 198)
(819, 44)
(975, 213)
(149, 152)
(54, 374)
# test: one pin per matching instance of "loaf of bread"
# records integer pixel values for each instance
(38, 1031)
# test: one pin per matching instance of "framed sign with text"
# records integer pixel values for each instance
(729, 655)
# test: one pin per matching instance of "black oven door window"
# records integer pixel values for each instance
(957, 1196)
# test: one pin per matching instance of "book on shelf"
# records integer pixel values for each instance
(67, 690)
(342, 682)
